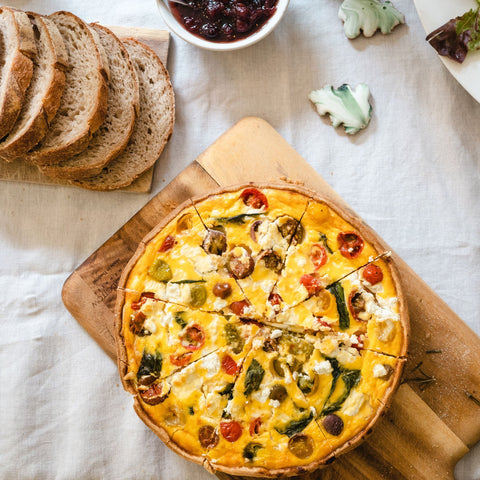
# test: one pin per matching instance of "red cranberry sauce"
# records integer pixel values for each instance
(223, 20)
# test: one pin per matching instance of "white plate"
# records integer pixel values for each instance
(433, 14)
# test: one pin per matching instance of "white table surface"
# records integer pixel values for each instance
(413, 175)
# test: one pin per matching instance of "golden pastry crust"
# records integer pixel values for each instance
(242, 382)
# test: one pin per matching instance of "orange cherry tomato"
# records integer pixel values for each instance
(238, 308)
(167, 244)
(318, 255)
(231, 430)
(350, 244)
(255, 426)
(180, 359)
(194, 337)
(254, 198)
(372, 274)
(229, 365)
(311, 283)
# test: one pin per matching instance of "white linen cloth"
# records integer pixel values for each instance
(413, 175)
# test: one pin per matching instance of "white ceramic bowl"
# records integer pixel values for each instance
(182, 32)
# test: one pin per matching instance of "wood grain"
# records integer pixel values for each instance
(426, 430)
(20, 171)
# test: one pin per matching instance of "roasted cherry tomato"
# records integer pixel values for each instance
(356, 304)
(167, 244)
(153, 396)
(231, 430)
(143, 298)
(239, 308)
(180, 359)
(318, 255)
(372, 274)
(194, 337)
(323, 323)
(229, 366)
(275, 299)
(136, 322)
(255, 426)
(311, 283)
(207, 436)
(350, 244)
(254, 198)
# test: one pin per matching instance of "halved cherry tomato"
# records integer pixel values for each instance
(229, 365)
(255, 426)
(194, 337)
(311, 283)
(275, 299)
(136, 323)
(318, 255)
(143, 299)
(239, 308)
(350, 244)
(323, 323)
(180, 359)
(254, 198)
(167, 244)
(372, 274)
(153, 396)
(231, 431)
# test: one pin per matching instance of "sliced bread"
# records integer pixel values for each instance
(83, 105)
(123, 104)
(44, 93)
(152, 129)
(17, 49)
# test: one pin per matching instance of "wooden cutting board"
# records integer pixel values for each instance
(431, 424)
(21, 171)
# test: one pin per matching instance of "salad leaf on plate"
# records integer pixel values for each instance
(458, 36)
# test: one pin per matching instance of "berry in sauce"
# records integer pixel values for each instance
(223, 20)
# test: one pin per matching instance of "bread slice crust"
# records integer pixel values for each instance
(152, 129)
(84, 102)
(123, 104)
(45, 91)
(18, 45)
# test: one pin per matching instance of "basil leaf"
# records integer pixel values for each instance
(251, 449)
(350, 380)
(150, 364)
(234, 339)
(179, 318)
(227, 390)
(179, 282)
(344, 318)
(295, 426)
(324, 240)
(253, 377)
(238, 219)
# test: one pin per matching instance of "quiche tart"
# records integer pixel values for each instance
(261, 330)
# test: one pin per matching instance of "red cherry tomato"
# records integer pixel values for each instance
(231, 431)
(275, 299)
(311, 283)
(254, 198)
(372, 274)
(143, 299)
(323, 323)
(180, 359)
(229, 365)
(239, 308)
(318, 255)
(167, 244)
(255, 426)
(350, 244)
(194, 337)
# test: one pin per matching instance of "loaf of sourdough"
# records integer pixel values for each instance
(123, 104)
(44, 93)
(17, 49)
(152, 129)
(83, 105)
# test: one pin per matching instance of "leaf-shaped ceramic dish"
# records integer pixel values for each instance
(433, 14)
